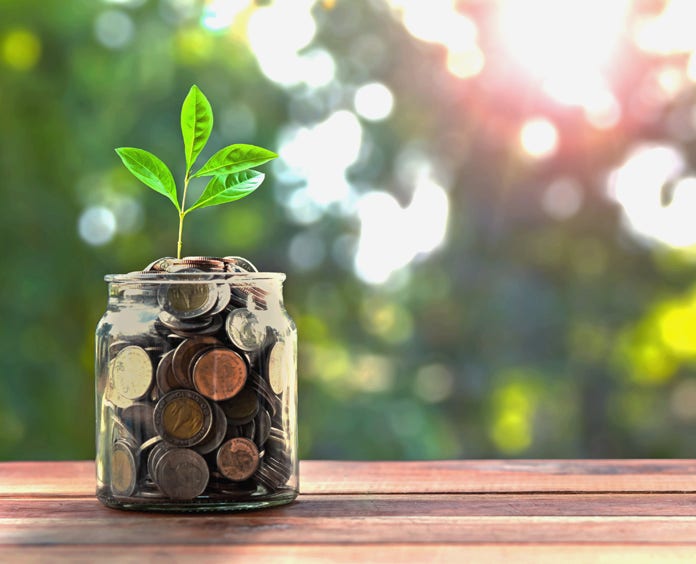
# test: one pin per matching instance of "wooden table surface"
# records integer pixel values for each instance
(560, 511)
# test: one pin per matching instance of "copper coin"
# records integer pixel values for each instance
(238, 459)
(219, 374)
(184, 354)
(242, 408)
(183, 418)
(131, 372)
(123, 470)
(182, 473)
(165, 375)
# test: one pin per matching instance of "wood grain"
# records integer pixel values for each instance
(526, 511)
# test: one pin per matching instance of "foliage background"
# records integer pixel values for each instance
(544, 324)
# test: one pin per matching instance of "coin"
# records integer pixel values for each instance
(183, 418)
(238, 264)
(207, 264)
(123, 470)
(131, 373)
(241, 408)
(159, 265)
(187, 300)
(184, 354)
(216, 434)
(224, 294)
(247, 430)
(219, 374)
(281, 364)
(237, 459)
(263, 427)
(149, 443)
(182, 474)
(245, 330)
(211, 327)
(165, 375)
(175, 324)
(138, 418)
(265, 392)
(154, 456)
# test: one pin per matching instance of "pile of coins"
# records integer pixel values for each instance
(197, 404)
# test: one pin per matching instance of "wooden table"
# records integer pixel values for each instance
(448, 511)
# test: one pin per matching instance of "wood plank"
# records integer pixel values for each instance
(479, 476)
(143, 529)
(386, 505)
(460, 476)
(65, 478)
(404, 554)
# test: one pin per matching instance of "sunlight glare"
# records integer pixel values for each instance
(638, 185)
(392, 236)
(671, 32)
(219, 14)
(276, 35)
(440, 21)
(374, 101)
(319, 156)
(539, 138)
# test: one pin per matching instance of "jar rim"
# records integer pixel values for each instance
(184, 277)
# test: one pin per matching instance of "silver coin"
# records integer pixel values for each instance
(182, 474)
(245, 330)
(239, 264)
(138, 418)
(131, 373)
(173, 323)
(224, 294)
(217, 432)
(281, 365)
(159, 265)
(263, 427)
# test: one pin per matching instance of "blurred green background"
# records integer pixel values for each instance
(485, 210)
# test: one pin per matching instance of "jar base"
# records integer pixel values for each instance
(198, 505)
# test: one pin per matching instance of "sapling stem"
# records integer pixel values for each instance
(182, 214)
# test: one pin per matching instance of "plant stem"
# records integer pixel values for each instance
(182, 214)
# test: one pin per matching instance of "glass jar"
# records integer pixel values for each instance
(196, 393)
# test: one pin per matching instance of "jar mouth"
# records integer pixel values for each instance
(192, 277)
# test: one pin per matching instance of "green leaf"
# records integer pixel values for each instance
(196, 124)
(151, 171)
(235, 158)
(223, 189)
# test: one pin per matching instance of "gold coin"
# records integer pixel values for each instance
(123, 471)
(183, 418)
(187, 297)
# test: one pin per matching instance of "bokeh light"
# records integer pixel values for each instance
(539, 138)
(97, 225)
(21, 49)
(374, 101)
(484, 210)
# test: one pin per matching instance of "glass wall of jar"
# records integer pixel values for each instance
(196, 393)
